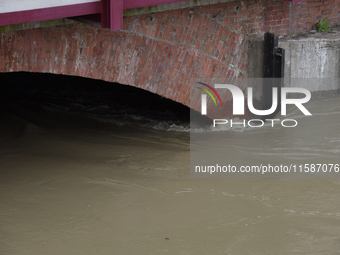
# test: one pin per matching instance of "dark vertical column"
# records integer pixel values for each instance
(273, 72)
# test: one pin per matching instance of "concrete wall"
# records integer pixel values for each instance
(313, 61)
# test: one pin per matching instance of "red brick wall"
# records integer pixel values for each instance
(163, 51)
(304, 15)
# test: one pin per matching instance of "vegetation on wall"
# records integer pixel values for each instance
(323, 25)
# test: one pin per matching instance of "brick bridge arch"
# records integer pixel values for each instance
(158, 52)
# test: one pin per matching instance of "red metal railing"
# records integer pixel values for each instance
(111, 12)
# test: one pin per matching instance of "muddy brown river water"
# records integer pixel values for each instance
(76, 184)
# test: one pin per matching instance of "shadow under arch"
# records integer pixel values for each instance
(87, 95)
